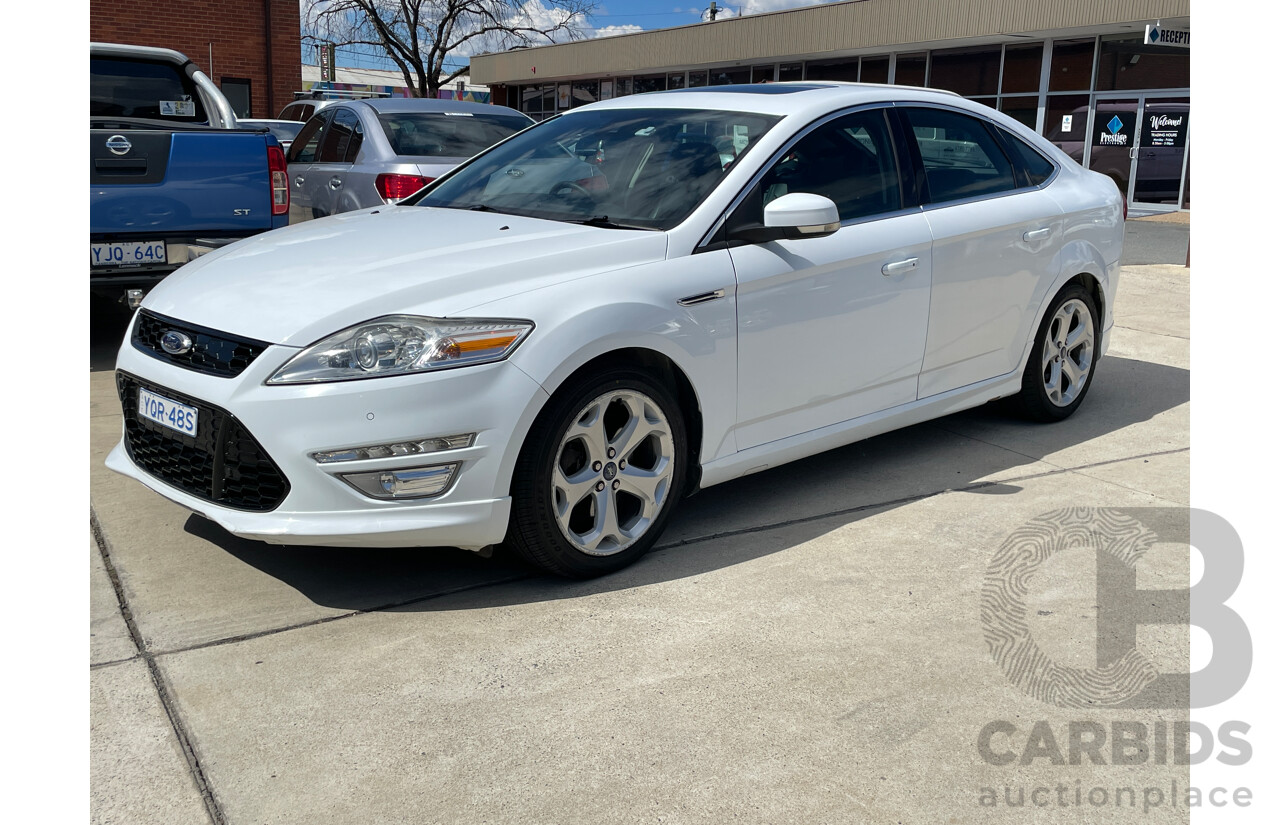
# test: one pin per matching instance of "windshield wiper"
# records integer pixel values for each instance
(603, 222)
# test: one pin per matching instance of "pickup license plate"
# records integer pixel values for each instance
(138, 253)
(171, 414)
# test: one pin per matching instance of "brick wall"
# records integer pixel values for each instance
(239, 31)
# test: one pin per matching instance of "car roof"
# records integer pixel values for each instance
(424, 104)
(785, 98)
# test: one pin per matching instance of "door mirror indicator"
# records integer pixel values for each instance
(792, 217)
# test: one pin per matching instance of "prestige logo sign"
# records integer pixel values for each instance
(1115, 135)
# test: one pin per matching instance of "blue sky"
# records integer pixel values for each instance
(620, 17)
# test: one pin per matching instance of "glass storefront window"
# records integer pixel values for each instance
(584, 92)
(1022, 68)
(791, 71)
(1125, 63)
(1021, 108)
(697, 79)
(911, 69)
(875, 70)
(985, 101)
(1072, 65)
(675, 81)
(537, 101)
(762, 74)
(1065, 119)
(846, 69)
(650, 83)
(727, 76)
(968, 72)
(622, 87)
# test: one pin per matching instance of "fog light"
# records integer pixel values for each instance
(422, 445)
(409, 482)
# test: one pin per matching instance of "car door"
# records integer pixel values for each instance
(995, 242)
(302, 157)
(327, 179)
(832, 328)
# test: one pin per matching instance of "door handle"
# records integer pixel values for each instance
(298, 181)
(899, 266)
(1037, 234)
(335, 182)
(1133, 153)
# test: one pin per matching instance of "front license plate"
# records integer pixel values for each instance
(171, 414)
(138, 253)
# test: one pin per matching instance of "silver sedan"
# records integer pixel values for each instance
(363, 153)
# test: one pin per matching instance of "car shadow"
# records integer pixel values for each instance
(771, 511)
(108, 319)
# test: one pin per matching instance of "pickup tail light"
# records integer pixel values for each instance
(279, 180)
(393, 187)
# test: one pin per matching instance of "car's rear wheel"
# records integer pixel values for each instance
(1062, 362)
(599, 474)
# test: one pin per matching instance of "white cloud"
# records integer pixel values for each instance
(610, 31)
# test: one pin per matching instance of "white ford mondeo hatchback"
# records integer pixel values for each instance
(558, 340)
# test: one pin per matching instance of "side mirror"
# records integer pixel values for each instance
(791, 217)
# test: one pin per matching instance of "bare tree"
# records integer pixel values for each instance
(420, 35)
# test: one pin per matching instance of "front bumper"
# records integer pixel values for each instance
(496, 401)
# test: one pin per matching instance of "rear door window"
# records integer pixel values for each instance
(447, 134)
(138, 88)
(961, 157)
(342, 138)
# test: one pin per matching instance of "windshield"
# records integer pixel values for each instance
(628, 168)
(448, 134)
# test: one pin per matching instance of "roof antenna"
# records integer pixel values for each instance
(714, 11)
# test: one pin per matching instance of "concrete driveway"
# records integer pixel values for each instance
(807, 645)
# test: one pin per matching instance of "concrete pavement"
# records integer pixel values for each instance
(806, 645)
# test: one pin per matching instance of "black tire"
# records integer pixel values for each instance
(1035, 401)
(536, 531)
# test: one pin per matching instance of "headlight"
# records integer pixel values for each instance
(402, 345)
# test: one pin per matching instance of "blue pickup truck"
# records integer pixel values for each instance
(171, 175)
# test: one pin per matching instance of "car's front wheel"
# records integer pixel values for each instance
(599, 474)
(1062, 362)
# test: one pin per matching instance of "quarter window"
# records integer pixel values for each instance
(1037, 166)
(961, 157)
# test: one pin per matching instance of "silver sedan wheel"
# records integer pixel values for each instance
(1067, 354)
(612, 472)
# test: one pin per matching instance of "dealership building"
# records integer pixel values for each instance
(1108, 81)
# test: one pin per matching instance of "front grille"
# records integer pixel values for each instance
(222, 463)
(212, 352)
